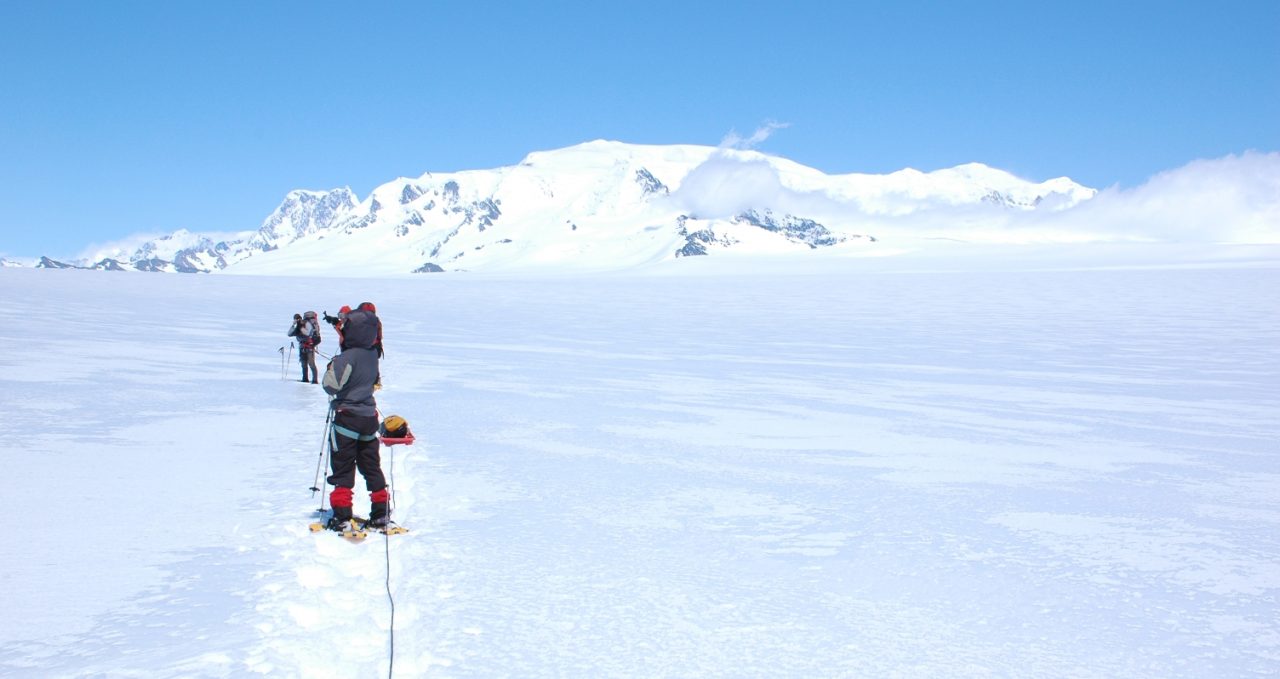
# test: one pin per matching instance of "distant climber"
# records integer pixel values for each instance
(307, 330)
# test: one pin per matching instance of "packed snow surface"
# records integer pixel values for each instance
(868, 468)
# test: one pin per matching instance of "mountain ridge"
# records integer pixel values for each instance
(600, 204)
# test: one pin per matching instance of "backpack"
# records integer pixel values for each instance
(314, 337)
(395, 427)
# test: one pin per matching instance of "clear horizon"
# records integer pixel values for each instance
(153, 117)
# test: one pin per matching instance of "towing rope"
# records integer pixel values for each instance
(386, 541)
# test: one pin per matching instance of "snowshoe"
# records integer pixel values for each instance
(381, 525)
(347, 527)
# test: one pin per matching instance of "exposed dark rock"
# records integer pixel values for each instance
(994, 197)
(696, 243)
(794, 229)
(409, 194)
(488, 211)
(184, 262)
(451, 191)
(46, 263)
(650, 183)
(109, 264)
(152, 264)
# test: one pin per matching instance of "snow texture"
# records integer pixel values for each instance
(870, 468)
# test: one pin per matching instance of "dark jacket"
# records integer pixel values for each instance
(307, 332)
(362, 329)
(349, 379)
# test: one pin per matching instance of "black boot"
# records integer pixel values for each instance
(379, 515)
(341, 519)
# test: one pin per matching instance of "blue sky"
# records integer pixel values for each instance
(144, 117)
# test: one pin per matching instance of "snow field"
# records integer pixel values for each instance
(825, 473)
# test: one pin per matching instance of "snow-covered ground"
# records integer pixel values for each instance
(868, 468)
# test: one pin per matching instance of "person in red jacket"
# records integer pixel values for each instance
(336, 321)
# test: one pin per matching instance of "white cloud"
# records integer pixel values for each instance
(1235, 199)
(731, 182)
(726, 185)
(735, 141)
(124, 248)
(117, 249)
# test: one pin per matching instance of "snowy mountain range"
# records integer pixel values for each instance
(598, 205)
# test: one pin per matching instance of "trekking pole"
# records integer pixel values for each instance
(284, 356)
(324, 448)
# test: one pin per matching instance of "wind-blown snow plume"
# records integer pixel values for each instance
(118, 249)
(1232, 199)
(735, 141)
(154, 245)
(733, 180)
(727, 184)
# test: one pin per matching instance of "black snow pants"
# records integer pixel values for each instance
(354, 445)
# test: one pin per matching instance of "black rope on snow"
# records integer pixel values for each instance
(386, 540)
